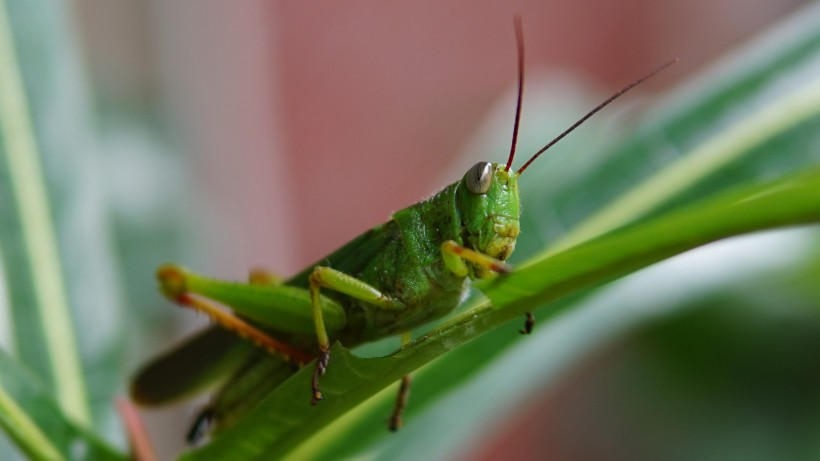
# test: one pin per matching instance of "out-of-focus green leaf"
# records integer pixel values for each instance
(38, 425)
(59, 273)
(733, 358)
(28, 436)
(36, 284)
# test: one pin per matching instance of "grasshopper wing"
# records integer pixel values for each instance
(190, 368)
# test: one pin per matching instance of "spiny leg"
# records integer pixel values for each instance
(174, 287)
(396, 421)
(455, 255)
(325, 277)
(322, 340)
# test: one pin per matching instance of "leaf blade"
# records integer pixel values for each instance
(37, 423)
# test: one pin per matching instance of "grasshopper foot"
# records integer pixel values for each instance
(321, 368)
(529, 323)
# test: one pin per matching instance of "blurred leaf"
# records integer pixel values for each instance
(36, 284)
(30, 415)
(747, 373)
(59, 271)
(26, 434)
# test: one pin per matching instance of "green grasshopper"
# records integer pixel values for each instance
(397, 276)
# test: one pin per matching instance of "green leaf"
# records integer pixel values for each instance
(32, 234)
(33, 419)
(58, 278)
(27, 435)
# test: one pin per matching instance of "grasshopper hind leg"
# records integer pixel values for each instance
(263, 277)
(174, 284)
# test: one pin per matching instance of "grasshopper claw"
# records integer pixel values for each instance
(321, 368)
(529, 323)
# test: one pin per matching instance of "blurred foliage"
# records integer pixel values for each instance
(73, 196)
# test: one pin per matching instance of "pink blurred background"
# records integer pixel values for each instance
(305, 123)
(315, 110)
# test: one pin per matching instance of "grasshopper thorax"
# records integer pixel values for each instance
(488, 203)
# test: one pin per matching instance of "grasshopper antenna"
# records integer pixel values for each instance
(593, 111)
(519, 41)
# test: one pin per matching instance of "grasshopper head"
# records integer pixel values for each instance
(488, 194)
(488, 202)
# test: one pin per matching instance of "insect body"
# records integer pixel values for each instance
(391, 279)
(395, 277)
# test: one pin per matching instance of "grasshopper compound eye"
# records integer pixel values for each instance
(478, 178)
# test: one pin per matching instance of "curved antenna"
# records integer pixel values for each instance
(593, 111)
(519, 41)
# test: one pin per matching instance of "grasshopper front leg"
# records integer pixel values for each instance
(326, 277)
(455, 255)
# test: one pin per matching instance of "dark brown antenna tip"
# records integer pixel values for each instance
(596, 109)
(519, 41)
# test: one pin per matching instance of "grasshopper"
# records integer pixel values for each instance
(399, 275)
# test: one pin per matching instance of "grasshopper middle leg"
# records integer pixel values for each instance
(326, 277)
(396, 421)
